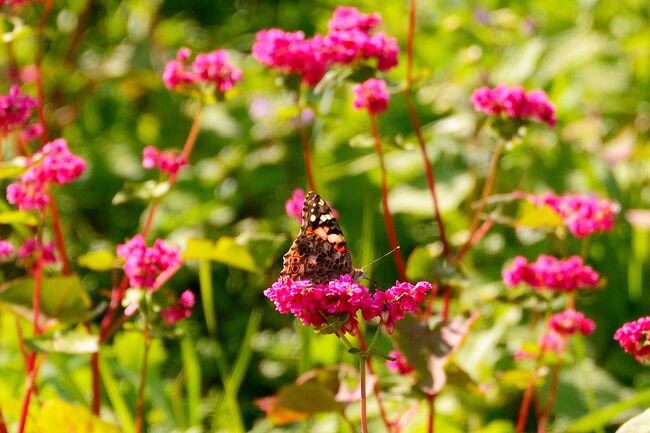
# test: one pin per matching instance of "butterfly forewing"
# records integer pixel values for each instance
(319, 253)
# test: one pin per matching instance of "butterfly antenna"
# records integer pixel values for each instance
(378, 259)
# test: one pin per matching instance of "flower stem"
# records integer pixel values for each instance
(388, 220)
(3, 426)
(487, 189)
(362, 375)
(528, 394)
(304, 140)
(431, 400)
(139, 412)
(190, 141)
(550, 399)
(58, 237)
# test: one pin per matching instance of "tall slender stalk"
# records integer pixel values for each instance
(388, 219)
(3, 425)
(431, 404)
(362, 376)
(139, 412)
(550, 398)
(304, 140)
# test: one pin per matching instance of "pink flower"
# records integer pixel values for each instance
(28, 248)
(291, 53)
(176, 74)
(6, 250)
(15, 109)
(634, 337)
(349, 18)
(399, 364)
(371, 95)
(53, 163)
(514, 102)
(352, 46)
(582, 214)
(293, 206)
(214, 68)
(570, 322)
(551, 273)
(169, 161)
(182, 309)
(400, 299)
(143, 265)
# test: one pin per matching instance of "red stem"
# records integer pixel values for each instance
(139, 413)
(477, 236)
(58, 237)
(193, 134)
(3, 426)
(528, 394)
(304, 140)
(409, 45)
(431, 399)
(550, 399)
(388, 220)
(446, 299)
(431, 299)
(487, 189)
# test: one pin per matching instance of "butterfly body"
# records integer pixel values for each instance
(319, 253)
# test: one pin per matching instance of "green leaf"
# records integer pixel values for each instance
(298, 401)
(638, 424)
(101, 260)
(604, 416)
(226, 250)
(538, 216)
(58, 416)
(62, 297)
(18, 217)
(73, 343)
(13, 168)
(145, 191)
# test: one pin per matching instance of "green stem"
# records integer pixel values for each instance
(362, 375)
(139, 414)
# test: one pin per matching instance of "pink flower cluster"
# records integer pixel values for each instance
(371, 95)
(515, 103)
(182, 309)
(26, 253)
(634, 337)
(551, 273)
(399, 364)
(582, 214)
(143, 265)
(336, 303)
(6, 250)
(15, 110)
(210, 68)
(168, 161)
(293, 206)
(53, 163)
(571, 322)
(348, 41)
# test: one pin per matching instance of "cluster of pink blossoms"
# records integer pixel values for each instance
(293, 206)
(582, 214)
(399, 364)
(6, 250)
(348, 41)
(182, 309)
(570, 322)
(166, 161)
(371, 95)
(551, 273)
(26, 253)
(515, 103)
(634, 337)
(53, 163)
(143, 265)
(15, 112)
(210, 68)
(338, 302)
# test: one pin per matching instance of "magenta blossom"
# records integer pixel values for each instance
(333, 306)
(168, 162)
(570, 322)
(371, 95)
(634, 337)
(182, 309)
(514, 102)
(26, 252)
(399, 364)
(6, 250)
(293, 206)
(53, 163)
(15, 109)
(291, 53)
(350, 18)
(582, 214)
(551, 273)
(143, 265)
(210, 68)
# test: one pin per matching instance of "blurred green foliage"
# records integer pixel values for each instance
(102, 68)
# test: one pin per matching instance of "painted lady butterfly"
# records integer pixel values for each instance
(319, 253)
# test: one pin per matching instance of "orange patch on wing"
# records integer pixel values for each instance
(321, 232)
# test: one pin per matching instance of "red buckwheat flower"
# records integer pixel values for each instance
(571, 322)
(349, 18)
(26, 253)
(143, 265)
(182, 309)
(15, 109)
(6, 250)
(293, 206)
(514, 102)
(371, 95)
(399, 364)
(211, 69)
(400, 299)
(169, 161)
(551, 273)
(582, 214)
(634, 338)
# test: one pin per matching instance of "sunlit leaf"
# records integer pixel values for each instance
(13, 168)
(295, 402)
(603, 416)
(638, 424)
(226, 250)
(145, 191)
(101, 260)
(74, 343)
(58, 416)
(18, 217)
(538, 216)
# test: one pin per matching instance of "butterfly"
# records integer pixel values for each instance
(319, 253)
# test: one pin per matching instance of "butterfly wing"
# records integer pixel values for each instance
(319, 253)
